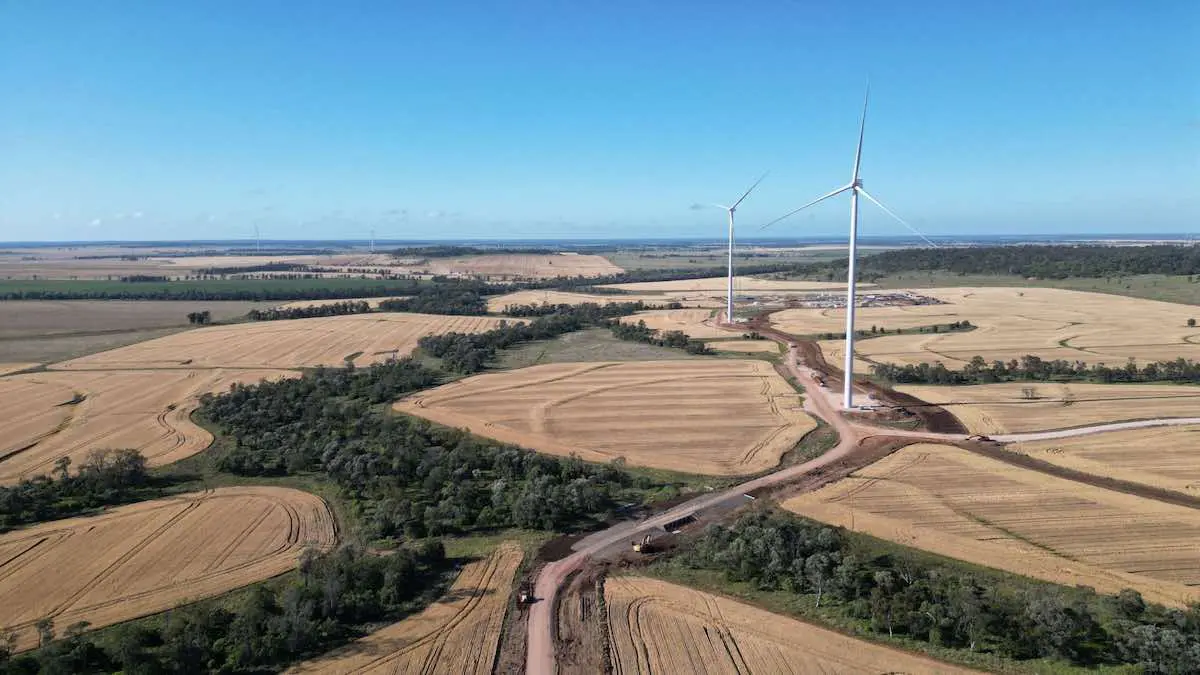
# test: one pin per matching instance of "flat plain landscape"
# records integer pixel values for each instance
(660, 627)
(1165, 457)
(457, 634)
(1012, 322)
(961, 505)
(1004, 408)
(496, 304)
(718, 416)
(56, 414)
(720, 285)
(331, 341)
(148, 557)
(524, 266)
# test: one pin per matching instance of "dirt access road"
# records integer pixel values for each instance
(858, 442)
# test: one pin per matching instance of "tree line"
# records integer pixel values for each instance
(104, 478)
(675, 339)
(237, 289)
(1030, 260)
(311, 311)
(1033, 368)
(900, 593)
(405, 477)
(470, 352)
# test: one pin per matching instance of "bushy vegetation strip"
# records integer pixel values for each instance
(1033, 368)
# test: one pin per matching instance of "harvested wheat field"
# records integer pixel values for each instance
(660, 627)
(57, 414)
(954, 503)
(745, 346)
(1003, 408)
(523, 266)
(497, 304)
(330, 341)
(137, 560)
(720, 285)
(1012, 322)
(721, 417)
(1165, 457)
(6, 368)
(458, 634)
(695, 322)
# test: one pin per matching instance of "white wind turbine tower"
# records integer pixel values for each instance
(730, 210)
(855, 188)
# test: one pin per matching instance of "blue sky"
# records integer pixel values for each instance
(174, 120)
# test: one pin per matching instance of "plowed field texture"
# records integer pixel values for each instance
(54, 414)
(719, 417)
(331, 341)
(1165, 457)
(1009, 408)
(1012, 322)
(458, 634)
(961, 505)
(148, 557)
(659, 627)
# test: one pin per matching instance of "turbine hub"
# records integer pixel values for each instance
(857, 183)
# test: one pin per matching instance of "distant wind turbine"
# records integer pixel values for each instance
(257, 239)
(730, 210)
(855, 188)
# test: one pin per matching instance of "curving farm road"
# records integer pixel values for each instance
(540, 652)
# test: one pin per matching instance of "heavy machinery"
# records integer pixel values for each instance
(525, 593)
(642, 546)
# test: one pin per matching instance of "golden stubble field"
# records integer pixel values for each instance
(961, 505)
(697, 323)
(720, 417)
(457, 634)
(497, 304)
(1012, 322)
(297, 343)
(523, 266)
(1165, 457)
(55, 414)
(1002, 408)
(148, 557)
(720, 285)
(660, 627)
(746, 346)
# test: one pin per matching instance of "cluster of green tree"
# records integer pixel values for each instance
(470, 352)
(405, 476)
(676, 339)
(880, 331)
(331, 600)
(208, 289)
(1041, 261)
(1034, 368)
(589, 284)
(459, 298)
(202, 318)
(252, 269)
(898, 593)
(330, 309)
(143, 278)
(452, 251)
(105, 477)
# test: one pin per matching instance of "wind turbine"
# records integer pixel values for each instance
(730, 210)
(855, 188)
(257, 239)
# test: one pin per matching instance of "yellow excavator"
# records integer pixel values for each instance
(642, 546)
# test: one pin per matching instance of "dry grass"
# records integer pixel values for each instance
(148, 557)
(746, 346)
(496, 304)
(720, 285)
(954, 503)
(1166, 457)
(1013, 322)
(368, 338)
(1002, 408)
(57, 414)
(695, 322)
(458, 634)
(6, 368)
(660, 627)
(721, 417)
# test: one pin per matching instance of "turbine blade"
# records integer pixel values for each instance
(747, 193)
(862, 127)
(822, 198)
(890, 213)
(722, 206)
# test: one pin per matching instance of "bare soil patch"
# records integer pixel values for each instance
(148, 557)
(719, 417)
